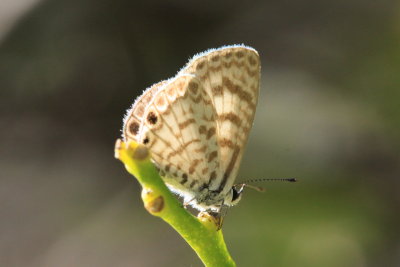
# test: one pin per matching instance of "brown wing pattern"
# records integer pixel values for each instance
(231, 76)
(179, 127)
(134, 118)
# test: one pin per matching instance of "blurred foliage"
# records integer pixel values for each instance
(328, 114)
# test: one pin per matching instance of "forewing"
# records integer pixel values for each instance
(231, 76)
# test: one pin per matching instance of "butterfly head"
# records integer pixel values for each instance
(234, 195)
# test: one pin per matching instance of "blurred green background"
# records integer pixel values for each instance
(328, 114)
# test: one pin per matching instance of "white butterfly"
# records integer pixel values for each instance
(196, 124)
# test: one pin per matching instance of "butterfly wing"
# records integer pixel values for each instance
(231, 77)
(178, 125)
(133, 120)
(197, 124)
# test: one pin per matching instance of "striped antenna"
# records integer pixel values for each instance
(261, 189)
(292, 180)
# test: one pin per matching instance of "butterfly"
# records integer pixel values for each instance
(196, 124)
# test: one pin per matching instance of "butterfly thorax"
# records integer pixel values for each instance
(203, 198)
(215, 200)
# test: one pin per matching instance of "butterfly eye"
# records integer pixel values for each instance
(236, 195)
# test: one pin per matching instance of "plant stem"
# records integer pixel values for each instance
(199, 232)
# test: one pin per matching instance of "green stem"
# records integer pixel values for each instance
(200, 233)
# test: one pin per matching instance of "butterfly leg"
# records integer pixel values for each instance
(187, 203)
(219, 215)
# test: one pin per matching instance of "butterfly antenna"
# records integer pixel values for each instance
(292, 180)
(261, 189)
